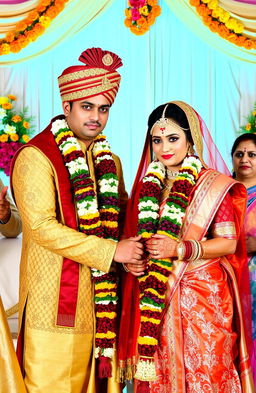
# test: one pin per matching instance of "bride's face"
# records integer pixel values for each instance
(170, 145)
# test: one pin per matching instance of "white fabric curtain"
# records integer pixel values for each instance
(168, 63)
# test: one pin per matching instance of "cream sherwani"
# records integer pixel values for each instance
(56, 359)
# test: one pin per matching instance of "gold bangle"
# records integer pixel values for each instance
(125, 268)
(181, 251)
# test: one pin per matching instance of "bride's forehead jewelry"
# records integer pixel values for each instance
(165, 121)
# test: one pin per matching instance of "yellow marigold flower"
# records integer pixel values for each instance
(5, 49)
(248, 126)
(105, 335)
(26, 138)
(147, 340)
(26, 124)
(14, 137)
(153, 320)
(110, 315)
(213, 4)
(12, 97)
(205, 1)
(144, 10)
(45, 20)
(7, 105)
(238, 28)
(16, 118)
(254, 113)
(3, 100)
(110, 224)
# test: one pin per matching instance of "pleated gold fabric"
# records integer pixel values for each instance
(11, 380)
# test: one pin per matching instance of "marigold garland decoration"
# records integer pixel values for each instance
(14, 131)
(250, 126)
(220, 21)
(30, 28)
(141, 14)
(95, 218)
(153, 284)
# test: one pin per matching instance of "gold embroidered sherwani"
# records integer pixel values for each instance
(56, 359)
(13, 227)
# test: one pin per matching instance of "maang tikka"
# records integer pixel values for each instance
(165, 121)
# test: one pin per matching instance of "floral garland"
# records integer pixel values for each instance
(154, 283)
(250, 126)
(141, 14)
(101, 221)
(220, 21)
(14, 131)
(30, 28)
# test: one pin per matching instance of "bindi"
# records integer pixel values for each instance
(162, 130)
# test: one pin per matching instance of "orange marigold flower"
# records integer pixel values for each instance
(16, 118)
(21, 26)
(128, 22)
(248, 44)
(248, 126)
(7, 105)
(128, 13)
(203, 10)
(156, 9)
(25, 138)
(26, 124)
(60, 2)
(5, 49)
(213, 26)
(152, 2)
(4, 138)
(10, 36)
(14, 137)
(23, 41)
(51, 12)
(207, 19)
(15, 46)
(151, 19)
(142, 22)
(194, 3)
(39, 29)
(240, 40)
(59, 7)
(223, 31)
(45, 2)
(40, 8)
(12, 97)
(32, 16)
(31, 35)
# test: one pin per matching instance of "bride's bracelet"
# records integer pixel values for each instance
(190, 250)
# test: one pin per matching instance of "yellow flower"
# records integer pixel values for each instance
(25, 138)
(7, 105)
(4, 138)
(14, 137)
(9, 129)
(144, 10)
(213, 4)
(12, 97)
(45, 20)
(3, 100)
(248, 126)
(5, 49)
(254, 113)
(26, 124)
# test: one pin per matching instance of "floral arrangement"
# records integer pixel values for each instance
(250, 126)
(153, 284)
(140, 15)
(101, 221)
(220, 21)
(30, 28)
(14, 131)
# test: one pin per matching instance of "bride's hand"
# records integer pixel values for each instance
(160, 246)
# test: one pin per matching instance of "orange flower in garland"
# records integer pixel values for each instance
(30, 28)
(220, 22)
(140, 15)
(154, 283)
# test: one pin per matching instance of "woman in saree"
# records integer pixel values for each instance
(181, 327)
(244, 164)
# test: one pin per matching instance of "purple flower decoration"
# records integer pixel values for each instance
(135, 14)
(7, 151)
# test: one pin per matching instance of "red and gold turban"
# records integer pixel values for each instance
(97, 76)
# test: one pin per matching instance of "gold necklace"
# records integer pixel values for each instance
(171, 174)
